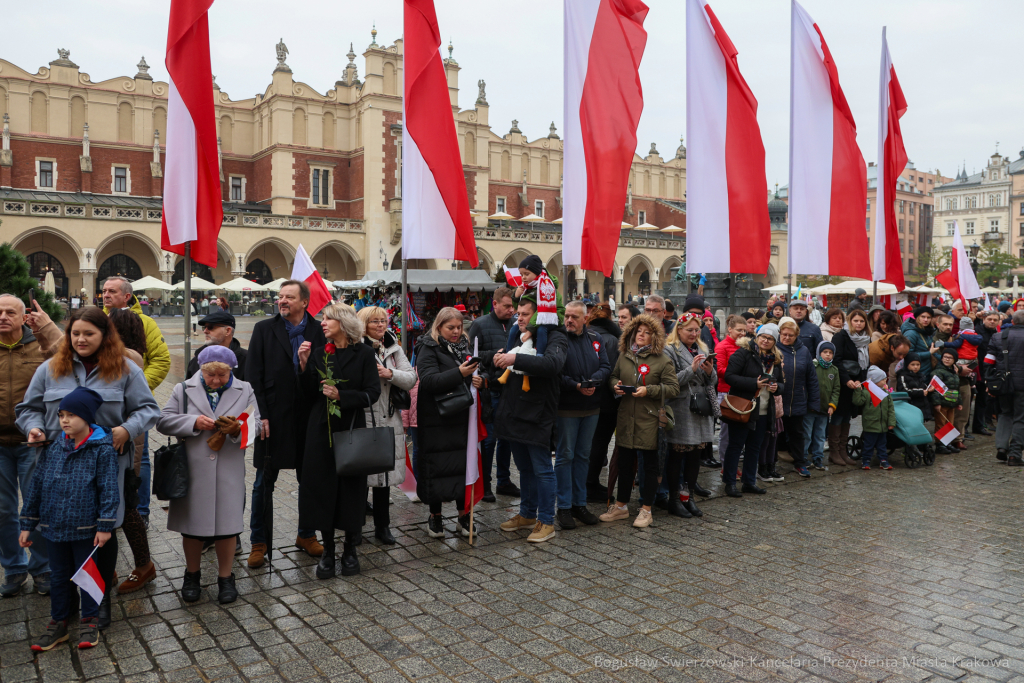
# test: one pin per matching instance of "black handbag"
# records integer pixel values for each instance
(852, 368)
(400, 398)
(455, 401)
(170, 465)
(364, 451)
(700, 404)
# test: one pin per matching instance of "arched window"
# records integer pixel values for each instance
(118, 264)
(390, 79)
(124, 123)
(258, 271)
(226, 137)
(328, 132)
(506, 165)
(999, 200)
(470, 157)
(40, 263)
(77, 117)
(545, 171)
(198, 269)
(299, 127)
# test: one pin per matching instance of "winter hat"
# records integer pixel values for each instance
(787, 319)
(950, 352)
(922, 309)
(83, 402)
(215, 353)
(771, 329)
(859, 291)
(693, 301)
(533, 264)
(876, 374)
(747, 315)
(797, 302)
(1004, 306)
(825, 346)
(966, 324)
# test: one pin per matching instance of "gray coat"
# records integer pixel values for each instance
(404, 378)
(127, 402)
(216, 479)
(690, 429)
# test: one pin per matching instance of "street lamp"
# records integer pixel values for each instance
(973, 251)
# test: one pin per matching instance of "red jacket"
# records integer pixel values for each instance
(724, 349)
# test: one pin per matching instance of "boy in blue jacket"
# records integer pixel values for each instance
(73, 499)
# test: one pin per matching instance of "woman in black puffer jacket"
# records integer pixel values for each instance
(442, 363)
(601, 321)
(851, 360)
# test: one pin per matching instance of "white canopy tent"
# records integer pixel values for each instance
(198, 284)
(150, 282)
(240, 284)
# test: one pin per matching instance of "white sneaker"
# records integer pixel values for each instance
(643, 519)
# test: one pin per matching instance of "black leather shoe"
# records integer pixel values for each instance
(676, 508)
(565, 520)
(190, 592)
(325, 567)
(1014, 461)
(488, 496)
(753, 488)
(693, 509)
(710, 462)
(508, 489)
(701, 491)
(730, 490)
(584, 515)
(1001, 455)
(384, 536)
(349, 560)
(226, 591)
(661, 503)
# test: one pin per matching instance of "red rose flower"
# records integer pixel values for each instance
(330, 349)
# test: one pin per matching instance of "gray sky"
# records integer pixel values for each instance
(953, 58)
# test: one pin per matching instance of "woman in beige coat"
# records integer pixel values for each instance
(395, 372)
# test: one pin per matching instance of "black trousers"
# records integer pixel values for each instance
(687, 461)
(793, 426)
(627, 462)
(599, 447)
(381, 503)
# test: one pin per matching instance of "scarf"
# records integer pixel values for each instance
(638, 350)
(213, 395)
(862, 341)
(832, 331)
(459, 349)
(824, 363)
(295, 337)
(767, 361)
(547, 299)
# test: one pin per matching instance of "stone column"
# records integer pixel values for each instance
(89, 284)
(620, 297)
(580, 282)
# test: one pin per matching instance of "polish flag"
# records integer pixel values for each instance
(892, 159)
(888, 301)
(938, 385)
(408, 486)
(959, 277)
(827, 175)
(435, 207)
(192, 211)
(604, 43)
(304, 271)
(727, 215)
(988, 303)
(903, 307)
(513, 278)
(947, 434)
(249, 429)
(878, 394)
(88, 578)
(922, 299)
(477, 433)
(990, 359)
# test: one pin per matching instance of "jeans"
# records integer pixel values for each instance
(540, 337)
(414, 434)
(748, 441)
(536, 481)
(873, 443)
(65, 559)
(794, 430)
(488, 448)
(16, 465)
(144, 471)
(257, 532)
(815, 425)
(575, 436)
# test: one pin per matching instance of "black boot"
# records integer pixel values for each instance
(676, 508)
(730, 490)
(349, 559)
(692, 508)
(190, 591)
(226, 589)
(700, 490)
(104, 611)
(382, 516)
(325, 567)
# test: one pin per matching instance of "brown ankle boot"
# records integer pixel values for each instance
(844, 439)
(834, 456)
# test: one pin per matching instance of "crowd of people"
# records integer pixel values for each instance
(554, 385)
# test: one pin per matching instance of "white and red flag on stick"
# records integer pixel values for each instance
(89, 579)
(513, 278)
(303, 270)
(938, 385)
(435, 207)
(477, 433)
(878, 394)
(947, 434)
(892, 159)
(249, 429)
(959, 277)
(827, 175)
(192, 210)
(727, 215)
(604, 43)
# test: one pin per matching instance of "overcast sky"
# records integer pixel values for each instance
(954, 60)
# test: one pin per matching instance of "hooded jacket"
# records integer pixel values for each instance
(723, 352)
(801, 392)
(828, 386)
(920, 341)
(157, 359)
(73, 492)
(951, 379)
(875, 419)
(637, 423)
(741, 374)
(17, 365)
(914, 386)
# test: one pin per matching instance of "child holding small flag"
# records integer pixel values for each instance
(878, 417)
(542, 290)
(73, 499)
(908, 379)
(946, 400)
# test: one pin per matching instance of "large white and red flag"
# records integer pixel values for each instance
(192, 210)
(959, 277)
(303, 270)
(604, 43)
(892, 159)
(727, 229)
(827, 176)
(435, 207)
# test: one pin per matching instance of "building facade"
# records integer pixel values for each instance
(980, 204)
(81, 179)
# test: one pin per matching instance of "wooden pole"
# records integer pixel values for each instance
(406, 332)
(187, 272)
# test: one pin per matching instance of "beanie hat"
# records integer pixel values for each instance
(83, 402)
(747, 315)
(787, 319)
(966, 324)
(1004, 306)
(922, 309)
(693, 301)
(215, 353)
(950, 352)
(533, 264)
(859, 291)
(825, 346)
(771, 329)
(876, 374)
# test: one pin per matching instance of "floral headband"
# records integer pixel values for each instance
(687, 317)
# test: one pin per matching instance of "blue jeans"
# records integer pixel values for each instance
(815, 425)
(257, 532)
(748, 442)
(492, 444)
(540, 338)
(413, 434)
(16, 465)
(144, 473)
(536, 481)
(873, 443)
(65, 559)
(575, 436)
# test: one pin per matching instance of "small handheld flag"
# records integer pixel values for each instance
(512, 278)
(878, 394)
(938, 385)
(88, 578)
(947, 434)
(249, 429)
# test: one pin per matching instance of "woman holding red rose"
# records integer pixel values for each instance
(330, 502)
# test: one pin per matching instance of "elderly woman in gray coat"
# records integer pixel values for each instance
(216, 415)
(692, 432)
(395, 373)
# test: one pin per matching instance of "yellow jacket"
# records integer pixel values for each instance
(157, 360)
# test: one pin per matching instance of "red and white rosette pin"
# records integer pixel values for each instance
(597, 347)
(642, 371)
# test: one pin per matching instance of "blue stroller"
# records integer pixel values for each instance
(910, 434)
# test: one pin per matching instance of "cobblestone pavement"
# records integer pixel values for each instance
(907, 575)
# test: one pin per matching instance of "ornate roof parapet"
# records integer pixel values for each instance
(551, 132)
(282, 52)
(63, 59)
(515, 127)
(143, 74)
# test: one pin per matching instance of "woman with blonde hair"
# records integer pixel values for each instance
(341, 380)
(396, 375)
(443, 363)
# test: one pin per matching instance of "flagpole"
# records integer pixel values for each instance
(187, 272)
(406, 332)
(874, 292)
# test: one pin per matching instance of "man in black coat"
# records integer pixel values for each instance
(491, 331)
(810, 334)
(271, 368)
(1010, 427)
(985, 405)
(526, 417)
(610, 333)
(219, 330)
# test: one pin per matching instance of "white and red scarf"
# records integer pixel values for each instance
(547, 299)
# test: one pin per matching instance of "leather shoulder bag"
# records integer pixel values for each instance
(736, 409)
(170, 464)
(455, 401)
(364, 451)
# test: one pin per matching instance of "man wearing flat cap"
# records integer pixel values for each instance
(219, 330)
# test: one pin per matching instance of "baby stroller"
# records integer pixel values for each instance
(910, 434)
